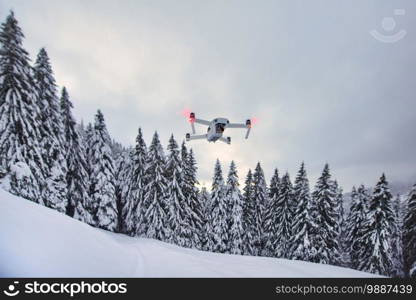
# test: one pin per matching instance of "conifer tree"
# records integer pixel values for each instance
(283, 218)
(136, 209)
(194, 206)
(197, 208)
(269, 220)
(235, 200)
(220, 234)
(325, 236)
(122, 175)
(178, 214)
(409, 235)
(102, 179)
(77, 177)
(301, 247)
(340, 227)
(339, 199)
(20, 156)
(376, 253)
(355, 224)
(205, 234)
(260, 199)
(249, 216)
(54, 192)
(156, 214)
(274, 184)
(397, 240)
(87, 140)
(80, 127)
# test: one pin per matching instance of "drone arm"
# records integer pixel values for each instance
(193, 120)
(203, 122)
(242, 125)
(236, 125)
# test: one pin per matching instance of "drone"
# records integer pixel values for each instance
(216, 129)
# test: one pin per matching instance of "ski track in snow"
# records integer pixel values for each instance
(36, 241)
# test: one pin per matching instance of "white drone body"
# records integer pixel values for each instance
(216, 129)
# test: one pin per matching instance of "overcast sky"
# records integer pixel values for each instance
(323, 89)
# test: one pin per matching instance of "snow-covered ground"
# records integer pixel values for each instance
(39, 242)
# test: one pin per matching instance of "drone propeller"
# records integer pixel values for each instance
(187, 113)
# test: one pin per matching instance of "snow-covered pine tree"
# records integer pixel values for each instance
(397, 240)
(122, 174)
(260, 199)
(376, 253)
(197, 207)
(339, 199)
(409, 235)
(303, 225)
(235, 199)
(81, 129)
(218, 215)
(20, 156)
(205, 235)
(190, 190)
(283, 219)
(325, 236)
(119, 164)
(136, 210)
(228, 208)
(178, 209)
(102, 179)
(87, 140)
(269, 224)
(54, 189)
(155, 217)
(77, 177)
(355, 224)
(274, 185)
(249, 216)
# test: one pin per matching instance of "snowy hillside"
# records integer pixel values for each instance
(37, 241)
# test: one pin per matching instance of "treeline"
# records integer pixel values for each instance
(149, 191)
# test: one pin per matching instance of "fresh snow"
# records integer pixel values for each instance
(36, 241)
